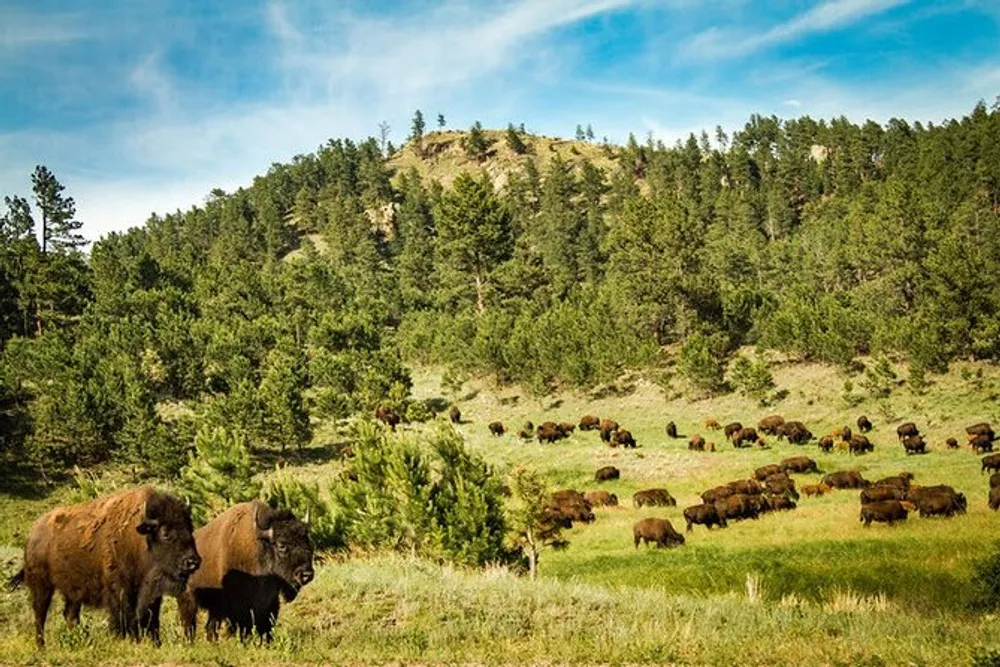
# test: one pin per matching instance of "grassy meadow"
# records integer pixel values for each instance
(810, 586)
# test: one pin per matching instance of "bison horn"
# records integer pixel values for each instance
(266, 535)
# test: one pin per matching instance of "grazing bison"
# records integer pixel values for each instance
(952, 443)
(799, 464)
(704, 515)
(653, 498)
(878, 493)
(624, 438)
(601, 499)
(864, 424)
(711, 424)
(885, 511)
(763, 472)
(981, 443)
(608, 428)
(387, 416)
(589, 423)
(549, 432)
(860, 444)
(744, 435)
(717, 494)
(696, 443)
(906, 430)
(747, 486)
(826, 443)
(606, 473)
(254, 556)
(770, 425)
(497, 428)
(991, 462)
(844, 433)
(731, 428)
(846, 479)
(815, 489)
(525, 434)
(994, 500)
(565, 428)
(122, 552)
(781, 485)
(901, 481)
(780, 503)
(914, 444)
(995, 480)
(656, 531)
(671, 430)
(455, 415)
(568, 505)
(940, 502)
(982, 428)
(795, 432)
(738, 506)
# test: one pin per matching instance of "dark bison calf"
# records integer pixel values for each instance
(846, 479)
(656, 531)
(653, 498)
(799, 464)
(122, 552)
(601, 499)
(991, 462)
(704, 515)
(455, 415)
(671, 430)
(589, 423)
(885, 511)
(254, 556)
(981, 443)
(864, 424)
(606, 473)
(906, 430)
(497, 428)
(952, 443)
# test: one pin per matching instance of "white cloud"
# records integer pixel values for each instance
(792, 103)
(720, 43)
(20, 30)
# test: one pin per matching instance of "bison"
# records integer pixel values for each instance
(906, 430)
(567, 506)
(914, 444)
(860, 444)
(901, 481)
(589, 423)
(781, 485)
(254, 556)
(656, 531)
(951, 443)
(606, 473)
(991, 462)
(565, 428)
(717, 494)
(763, 472)
(731, 428)
(549, 432)
(826, 443)
(795, 432)
(994, 500)
(653, 498)
(671, 430)
(744, 435)
(982, 428)
(981, 443)
(780, 503)
(455, 415)
(696, 443)
(738, 506)
(770, 425)
(864, 424)
(712, 424)
(878, 493)
(705, 515)
(995, 480)
(844, 433)
(885, 511)
(387, 416)
(815, 489)
(846, 479)
(747, 486)
(497, 428)
(601, 499)
(799, 464)
(122, 552)
(933, 503)
(623, 438)
(608, 428)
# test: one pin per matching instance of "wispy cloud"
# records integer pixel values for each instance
(20, 30)
(721, 43)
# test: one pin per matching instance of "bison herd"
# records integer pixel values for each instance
(124, 552)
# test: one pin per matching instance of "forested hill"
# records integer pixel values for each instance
(541, 261)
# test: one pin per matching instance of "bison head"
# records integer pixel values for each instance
(166, 523)
(285, 548)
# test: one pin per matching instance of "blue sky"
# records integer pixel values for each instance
(146, 106)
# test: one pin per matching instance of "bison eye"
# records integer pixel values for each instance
(281, 548)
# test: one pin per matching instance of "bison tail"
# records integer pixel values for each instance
(15, 582)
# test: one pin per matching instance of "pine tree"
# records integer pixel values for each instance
(417, 131)
(514, 141)
(59, 228)
(531, 525)
(440, 120)
(218, 474)
(475, 143)
(415, 238)
(580, 133)
(589, 133)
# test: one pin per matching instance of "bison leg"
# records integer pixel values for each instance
(149, 621)
(41, 598)
(71, 612)
(187, 609)
(212, 627)
(689, 526)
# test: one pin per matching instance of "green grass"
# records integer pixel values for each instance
(808, 586)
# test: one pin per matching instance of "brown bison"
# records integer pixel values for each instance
(982, 428)
(455, 415)
(526, 434)
(671, 430)
(624, 438)
(860, 444)
(981, 443)
(656, 531)
(934, 501)
(763, 472)
(122, 552)
(815, 489)
(717, 494)
(799, 464)
(497, 428)
(914, 444)
(254, 556)
(864, 424)
(747, 486)
(994, 500)
(589, 423)
(743, 436)
(606, 473)
(951, 443)
(995, 480)
(566, 428)
(885, 511)
(780, 503)
(906, 430)
(601, 499)
(991, 462)
(770, 425)
(878, 493)
(704, 515)
(781, 485)
(387, 416)
(795, 432)
(731, 428)
(712, 424)
(653, 498)
(844, 433)
(608, 428)
(738, 506)
(846, 479)
(826, 443)
(696, 443)
(568, 505)
(549, 432)
(901, 481)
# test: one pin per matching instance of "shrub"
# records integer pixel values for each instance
(326, 528)
(218, 474)
(986, 581)
(752, 379)
(702, 361)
